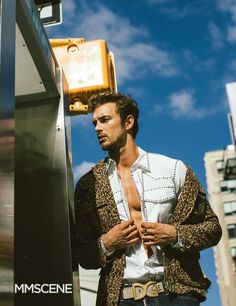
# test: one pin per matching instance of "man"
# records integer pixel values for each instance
(141, 217)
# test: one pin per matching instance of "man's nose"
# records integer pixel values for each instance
(97, 127)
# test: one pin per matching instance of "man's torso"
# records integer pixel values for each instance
(146, 192)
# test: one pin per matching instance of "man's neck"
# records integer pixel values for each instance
(125, 156)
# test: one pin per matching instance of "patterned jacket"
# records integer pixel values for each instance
(96, 213)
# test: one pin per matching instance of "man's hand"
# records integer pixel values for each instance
(121, 235)
(154, 233)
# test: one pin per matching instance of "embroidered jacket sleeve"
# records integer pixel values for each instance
(195, 221)
(88, 228)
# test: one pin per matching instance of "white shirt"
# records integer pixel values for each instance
(158, 180)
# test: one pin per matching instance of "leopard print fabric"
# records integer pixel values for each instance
(112, 274)
(199, 228)
(196, 223)
(95, 214)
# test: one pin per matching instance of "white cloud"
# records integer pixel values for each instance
(228, 6)
(192, 60)
(103, 23)
(133, 58)
(231, 34)
(81, 169)
(178, 9)
(216, 36)
(133, 49)
(137, 59)
(182, 104)
(69, 7)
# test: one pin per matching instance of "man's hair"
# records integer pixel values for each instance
(125, 106)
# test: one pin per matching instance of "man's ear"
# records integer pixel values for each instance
(129, 122)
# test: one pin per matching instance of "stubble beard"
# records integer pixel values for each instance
(116, 145)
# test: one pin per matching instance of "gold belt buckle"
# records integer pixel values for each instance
(152, 289)
(139, 291)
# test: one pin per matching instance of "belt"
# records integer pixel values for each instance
(138, 291)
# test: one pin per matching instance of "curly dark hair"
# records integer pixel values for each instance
(125, 106)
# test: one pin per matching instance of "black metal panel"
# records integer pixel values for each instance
(42, 229)
(7, 147)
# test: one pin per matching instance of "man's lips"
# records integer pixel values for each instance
(101, 137)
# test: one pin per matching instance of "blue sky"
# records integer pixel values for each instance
(174, 57)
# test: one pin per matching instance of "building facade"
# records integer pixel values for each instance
(220, 168)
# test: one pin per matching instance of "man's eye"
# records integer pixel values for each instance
(105, 120)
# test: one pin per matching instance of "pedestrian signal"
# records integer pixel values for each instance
(89, 68)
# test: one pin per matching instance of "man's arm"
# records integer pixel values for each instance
(120, 236)
(202, 229)
(88, 231)
(93, 245)
(198, 231)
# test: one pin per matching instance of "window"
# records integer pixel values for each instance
(230, 208)
(230, 169)
(233, 254)
(228, 186)
(220, 166)
(231, 230)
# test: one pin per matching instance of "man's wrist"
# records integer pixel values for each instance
(178, 243)
(173, 235)
(104, 249)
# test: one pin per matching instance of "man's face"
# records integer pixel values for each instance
(110, 130)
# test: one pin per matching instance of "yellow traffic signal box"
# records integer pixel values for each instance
(89, 68)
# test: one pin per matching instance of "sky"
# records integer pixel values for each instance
(174, 58)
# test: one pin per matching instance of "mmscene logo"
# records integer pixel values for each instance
(43, 288)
